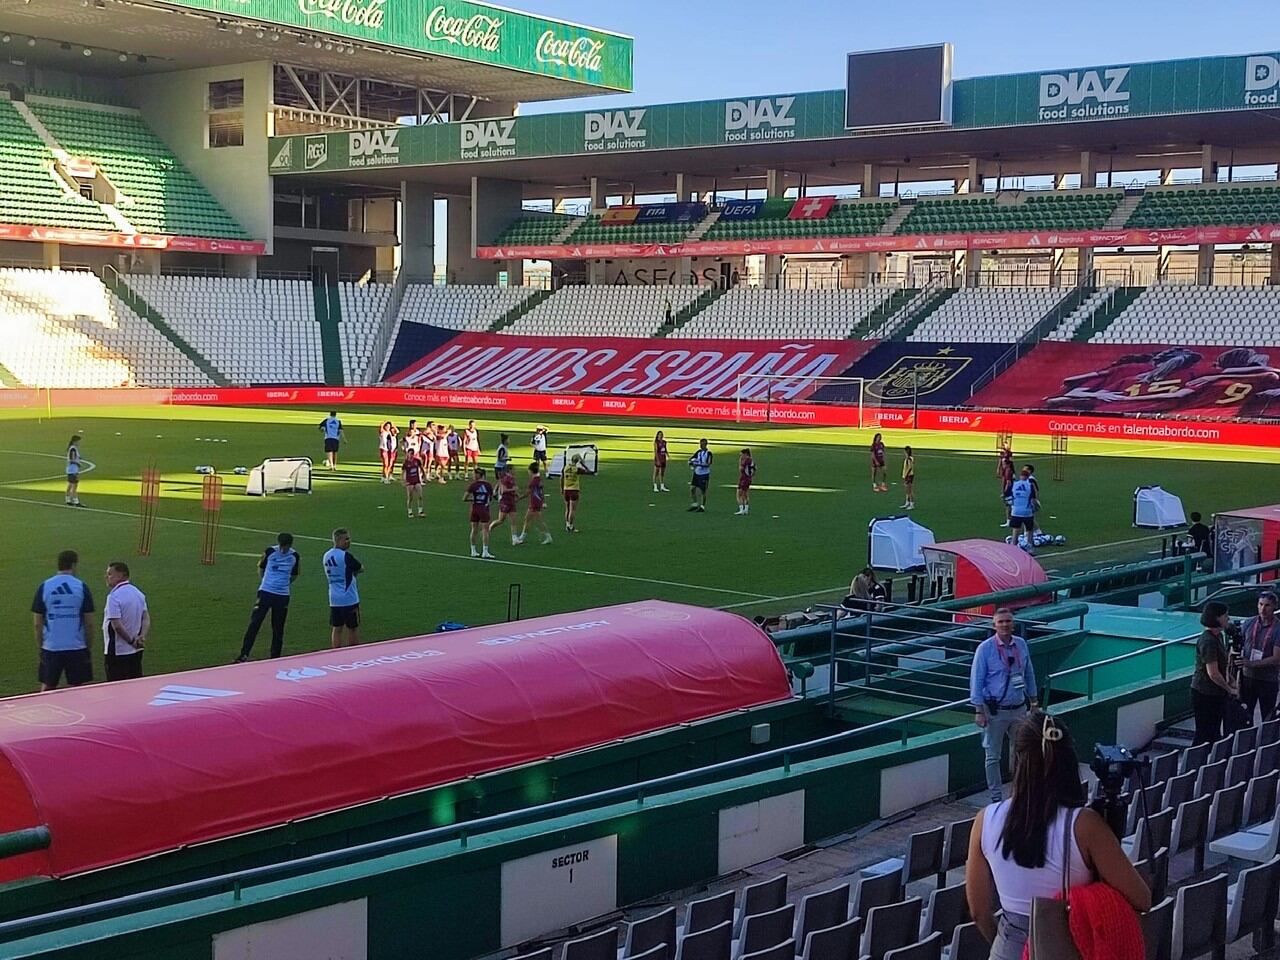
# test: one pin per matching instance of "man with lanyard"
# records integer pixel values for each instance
(331, 427)
(279, 566)
(1260, 667)
(125, 624)
(701, 463)
(63, 614)
(1002, 684)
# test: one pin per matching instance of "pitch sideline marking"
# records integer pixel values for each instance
(429, 553)
(87, 466)
(791, 596)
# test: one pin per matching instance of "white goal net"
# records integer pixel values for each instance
(759, 397)
(590, 458)
(282, 475)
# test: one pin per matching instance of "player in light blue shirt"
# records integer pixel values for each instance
(63, 614)
(1022, 510)
(341, 570)
(279, 566)
(331, 427)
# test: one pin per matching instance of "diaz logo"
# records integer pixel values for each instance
(615, 130)
(283, 159)
(1063, 95)
(315, 150)
(373, 148)
(487, 139)
(1261, 81)
(765, 119)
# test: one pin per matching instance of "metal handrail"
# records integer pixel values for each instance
(1090, 667)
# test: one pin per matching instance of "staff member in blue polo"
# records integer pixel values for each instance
(63, 614)
(1002, 685)
(1260, 666)
(279, 566)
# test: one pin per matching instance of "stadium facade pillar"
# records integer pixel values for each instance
(1166, 176)
(972, 183)
(238, 265)
(417, 230)
(493, 205)
(775, 185)
(51, 253)
(1088, 180)
(972, 260)
(597, 194)
(871, 180)
(1206, 251)
(865, 269)
(461, 265)
(1275, 265)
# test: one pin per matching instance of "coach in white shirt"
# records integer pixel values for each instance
(125, 624)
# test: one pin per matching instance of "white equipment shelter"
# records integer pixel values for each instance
(1157, 509)
(895, 543)
(286, 474)
(590, 458)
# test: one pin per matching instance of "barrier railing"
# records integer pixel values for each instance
(1089, 669)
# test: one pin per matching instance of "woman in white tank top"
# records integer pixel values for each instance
(1016, 847)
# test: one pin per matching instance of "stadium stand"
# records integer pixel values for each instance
(986, 315)
(534, 229)
(162, 195)
(254, 331)
(1010, 210)
(593, 230)
(1199, 206)
(1174, 313)
(746, 312)
(855, 218)
(33, 193)
(604, 311)
(364, 308)
(474, 308)
(66, 329)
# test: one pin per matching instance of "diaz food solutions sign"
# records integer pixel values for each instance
(459, 29)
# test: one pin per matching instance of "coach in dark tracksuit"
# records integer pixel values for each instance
(279, 566)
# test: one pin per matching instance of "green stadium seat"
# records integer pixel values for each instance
(1057, 210)
(1228, 206)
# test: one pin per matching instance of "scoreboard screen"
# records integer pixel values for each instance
(907, 86)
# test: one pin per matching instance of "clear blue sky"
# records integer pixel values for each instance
(707, 49)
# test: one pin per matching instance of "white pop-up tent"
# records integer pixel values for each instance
(895, 543)
(1157, 509)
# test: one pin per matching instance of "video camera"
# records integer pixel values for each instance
(1113, 765)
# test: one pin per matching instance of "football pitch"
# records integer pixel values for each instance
(804, 540)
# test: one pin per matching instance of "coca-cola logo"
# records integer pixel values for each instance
(356, 13)
(580, 54)
(478, 32)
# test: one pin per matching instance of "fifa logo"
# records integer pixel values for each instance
(1261, 81)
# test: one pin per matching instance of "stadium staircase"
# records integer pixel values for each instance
(877, 317)
(1058, 314)
(689, 311)
(324, 288)
(1121, 215)
(7, 379)
(135, 302)
(518, 311)
(919, 312)
(1105, 313)
(900, 213)
(700, 231)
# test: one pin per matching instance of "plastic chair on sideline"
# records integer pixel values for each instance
(819, 911)
(1200, 919)
(840, 942)
(1157, 930)
(927, 949)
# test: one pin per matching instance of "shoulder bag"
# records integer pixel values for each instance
(1050, 933)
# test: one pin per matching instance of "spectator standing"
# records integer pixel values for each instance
(1042, 839)
(1199, 534)
(63, 614)
(1210, 684)
(1002, 686)
(340, 570)
(279, 566)
(698, 483)
(668, 315)
(1260, 666)
(125, 624)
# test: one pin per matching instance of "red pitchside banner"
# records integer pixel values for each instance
(628, 367)
(1182, 236)
(144, 241)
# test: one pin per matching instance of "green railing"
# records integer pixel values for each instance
(1089, 669)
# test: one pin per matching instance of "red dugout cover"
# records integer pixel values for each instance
(120, 771)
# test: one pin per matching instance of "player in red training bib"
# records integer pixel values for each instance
(479, 494)
(746, 470)
(471, 444)
(411, 472)
(879, 477)
(660, 463)
(507, 497)
(537, 500)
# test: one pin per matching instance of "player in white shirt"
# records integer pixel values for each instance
(125, 624)
(388, 443)
(73, 471)
(471, 445)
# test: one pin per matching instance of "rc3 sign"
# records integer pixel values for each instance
(1084, 94)
(373, 148)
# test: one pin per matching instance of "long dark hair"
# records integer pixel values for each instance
(1046, 777)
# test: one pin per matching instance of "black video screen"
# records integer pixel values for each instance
(896, 87)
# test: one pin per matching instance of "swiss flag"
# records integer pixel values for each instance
(811, 208)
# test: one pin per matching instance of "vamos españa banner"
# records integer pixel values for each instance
(627, 367)
(1182, 236)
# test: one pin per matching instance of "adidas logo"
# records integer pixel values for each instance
(174, 693)
(300, 673)
(63, 589)
(1254, 234)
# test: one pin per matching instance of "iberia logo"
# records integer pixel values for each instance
(293, 395)
(581, 404)
(631, 406)
(351, 395)
(977, 421)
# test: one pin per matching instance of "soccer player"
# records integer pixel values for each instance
(73, 471)
(1022, 511)
(455, 452)
(540, 444)
(411, 473)
(502, 457)
(1004, 471)
(879, 477)
(701, 464)
(63, 614)
(746, 470)
(387, 444)
(429, 451)
(442, 453)
(279, 565)
(1035, 498)
(507, 497)
(537, 499)
(412, 438)
(471, 445)
(125, 624)
(331, 427)
(909, 478)
(571, 488)
(341, 570)
(479, 494)
(660, 463)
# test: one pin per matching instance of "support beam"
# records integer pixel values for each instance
(238, 265)
(871, 180)
(1275, 265)
(417, 230)
(1208, 164)
(461, 266)
(1204, 263)
(596, 193)
(973, 178)
(1088, 169)
(775, 185)
(494, 204)
(52, 256)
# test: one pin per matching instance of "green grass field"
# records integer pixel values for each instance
(805, 537)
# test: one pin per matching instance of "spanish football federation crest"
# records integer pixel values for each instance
(916, 376)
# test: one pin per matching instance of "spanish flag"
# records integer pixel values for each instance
(619, 216)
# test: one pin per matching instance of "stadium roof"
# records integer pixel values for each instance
(453, 45)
